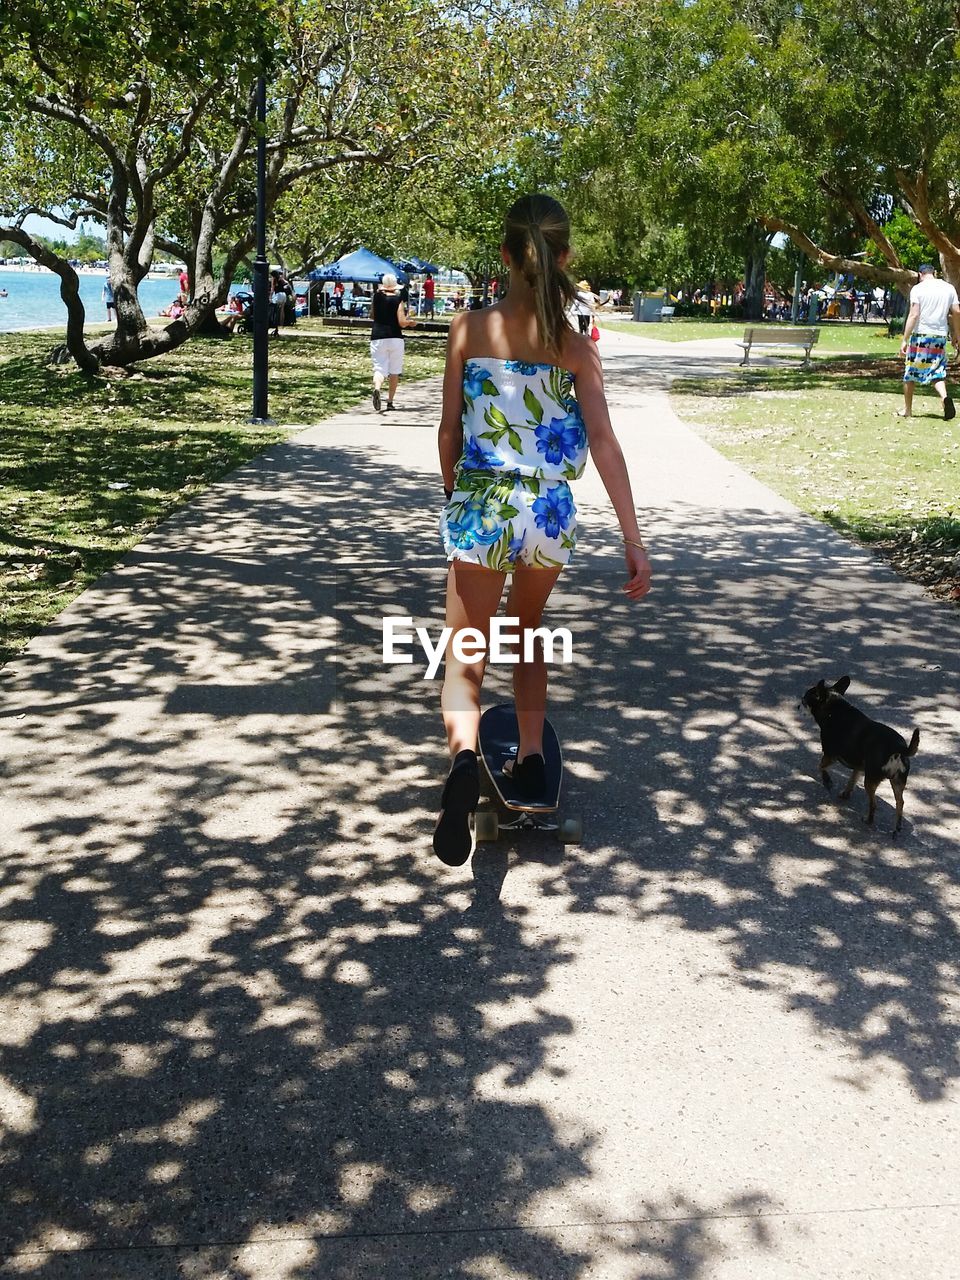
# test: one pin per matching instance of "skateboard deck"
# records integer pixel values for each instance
(499, 738)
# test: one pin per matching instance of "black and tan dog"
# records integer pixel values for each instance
(866, 746)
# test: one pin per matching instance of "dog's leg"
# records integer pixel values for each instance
(870, 786)
(847, 791)
(825, 763)
(898, 782)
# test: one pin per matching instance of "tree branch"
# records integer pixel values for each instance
(54, 109)
(835, 262)
(917, 196)
(51, 216)
(867, 224)
(69, 292)
(292, 176)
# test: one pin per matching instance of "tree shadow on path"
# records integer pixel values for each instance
(243, 1004)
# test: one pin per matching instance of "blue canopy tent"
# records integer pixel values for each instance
(361, 266)
(417, 267)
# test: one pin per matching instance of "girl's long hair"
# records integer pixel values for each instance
(536, 231)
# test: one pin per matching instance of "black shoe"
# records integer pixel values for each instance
(390, 406)
(376, 399)
(452, 839)
(949, 409)
(529, 776)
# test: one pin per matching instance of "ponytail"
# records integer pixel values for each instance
(536, 231)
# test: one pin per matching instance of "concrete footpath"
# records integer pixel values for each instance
(251, 1028)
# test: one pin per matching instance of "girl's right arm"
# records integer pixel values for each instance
(608, 459)
(451, 417)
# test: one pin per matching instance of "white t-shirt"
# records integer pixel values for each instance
(584, 304)
(935, 298)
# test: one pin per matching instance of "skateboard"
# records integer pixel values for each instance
(499, 737)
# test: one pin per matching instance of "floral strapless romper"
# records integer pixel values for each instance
(523, 440)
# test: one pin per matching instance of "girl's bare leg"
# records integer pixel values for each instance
(473, 594)
(392, 383)
(529, 593)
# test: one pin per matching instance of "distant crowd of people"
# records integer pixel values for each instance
(814, 303)
(419, 299)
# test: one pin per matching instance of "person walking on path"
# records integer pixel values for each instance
(934, 312)
(108, 299)
(390, 318)
(584, 306)
(522, 399)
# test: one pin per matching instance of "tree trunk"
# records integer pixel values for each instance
(950, 268)
(133, 339)
(754, 273)
(69, 292)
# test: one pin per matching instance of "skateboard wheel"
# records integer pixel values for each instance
(486, 825)
(570, 830)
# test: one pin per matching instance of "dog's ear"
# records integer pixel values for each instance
(842, 685)
(821, 684)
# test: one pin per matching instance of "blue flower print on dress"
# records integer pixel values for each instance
(516, 546)
(527, 422)
(477, 381)
(479, 523)
(476, 458)
(460, 537)
(554, 510)
(560, 438)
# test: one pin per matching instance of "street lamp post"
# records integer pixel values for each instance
(261, 267)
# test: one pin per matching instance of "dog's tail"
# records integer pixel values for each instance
(914, 743)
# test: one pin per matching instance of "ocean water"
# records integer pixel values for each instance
(33, 298)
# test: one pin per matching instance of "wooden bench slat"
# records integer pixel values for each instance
(759, 336)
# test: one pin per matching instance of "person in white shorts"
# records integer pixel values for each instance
(390, 318)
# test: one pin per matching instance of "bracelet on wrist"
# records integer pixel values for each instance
(629, 542)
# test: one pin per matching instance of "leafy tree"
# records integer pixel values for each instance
(911, 245)
(140, 116)
(749, 114)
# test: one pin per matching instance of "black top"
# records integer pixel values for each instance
(385, 322)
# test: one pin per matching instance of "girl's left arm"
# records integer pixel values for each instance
(450, 436)
(608, 458)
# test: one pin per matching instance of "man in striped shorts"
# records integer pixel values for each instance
(934, 310)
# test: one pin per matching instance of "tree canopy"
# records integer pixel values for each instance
(812, 118)
(675, 130)
(141, 116)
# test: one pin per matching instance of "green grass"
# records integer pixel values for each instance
(88, 467)
(830, 441)
(859, 339)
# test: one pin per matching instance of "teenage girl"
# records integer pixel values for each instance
(522, 399)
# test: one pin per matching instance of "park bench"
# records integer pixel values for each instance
(779, 336)
(666, 313)
(423, 328)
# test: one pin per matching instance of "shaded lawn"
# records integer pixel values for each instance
(836, 337)
(830, 441)
(87, 468)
